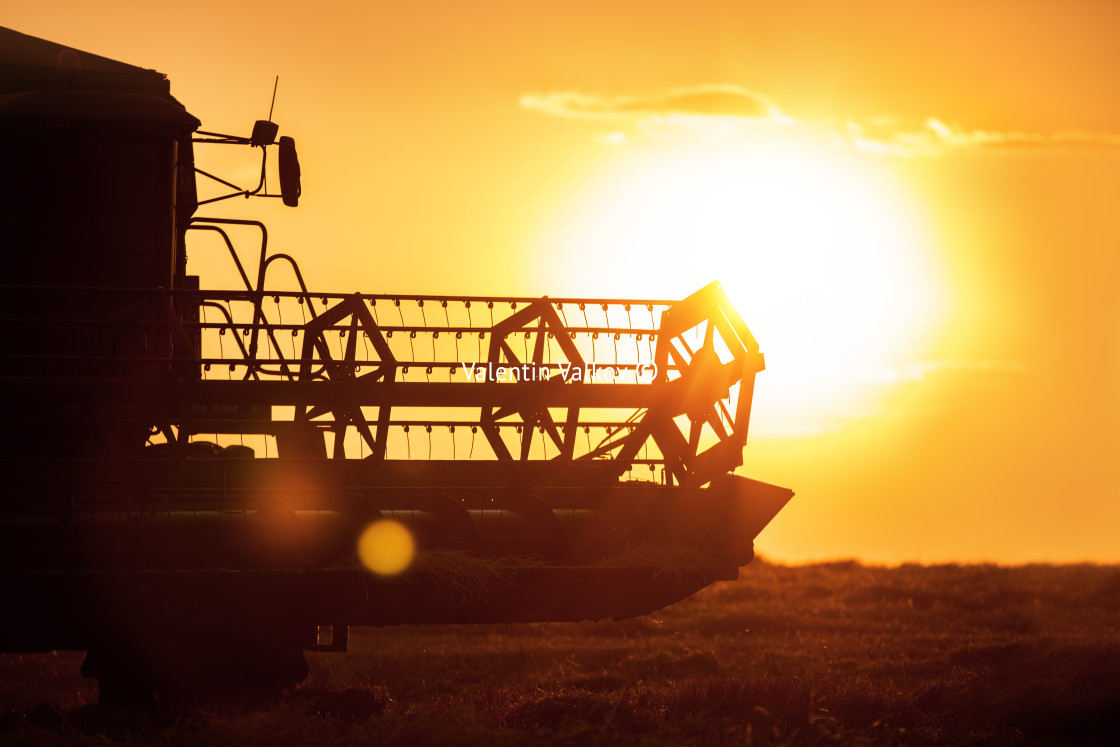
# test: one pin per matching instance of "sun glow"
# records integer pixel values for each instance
(819, 247)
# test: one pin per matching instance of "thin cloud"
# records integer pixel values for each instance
(937, 138)
(732, 111)
(695, 101)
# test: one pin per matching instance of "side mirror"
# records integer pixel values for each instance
(290, 187)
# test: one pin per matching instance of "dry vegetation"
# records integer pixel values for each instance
(830, 653)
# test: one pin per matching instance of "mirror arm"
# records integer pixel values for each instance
(217, 137)
(238, 193)
(264, 161)
(218, 179)
(286, 157)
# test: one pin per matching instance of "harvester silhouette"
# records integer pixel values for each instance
(541, 459)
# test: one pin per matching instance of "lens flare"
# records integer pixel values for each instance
(386, 547)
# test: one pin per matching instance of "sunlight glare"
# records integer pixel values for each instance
(819, 247)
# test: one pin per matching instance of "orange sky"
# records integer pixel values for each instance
(531, 148)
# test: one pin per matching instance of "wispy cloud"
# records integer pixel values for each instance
(731, 111)
(711, 100)
(937, 138)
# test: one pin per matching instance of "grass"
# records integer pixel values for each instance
(835, 653)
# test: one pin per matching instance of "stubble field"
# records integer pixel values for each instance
(835, 653)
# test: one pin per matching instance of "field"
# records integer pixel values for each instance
(835, 653)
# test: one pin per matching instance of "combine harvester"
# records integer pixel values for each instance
(383, 459)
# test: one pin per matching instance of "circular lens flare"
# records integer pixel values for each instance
(386, 547)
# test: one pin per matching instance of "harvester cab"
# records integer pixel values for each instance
(198, 481)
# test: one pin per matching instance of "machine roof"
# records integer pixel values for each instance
(28, 63)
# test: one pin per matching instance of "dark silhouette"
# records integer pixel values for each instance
(192, 570)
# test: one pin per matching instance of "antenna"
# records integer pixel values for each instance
(264, 130)
(275, 85)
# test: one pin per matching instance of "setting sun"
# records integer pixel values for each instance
(821, 248)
